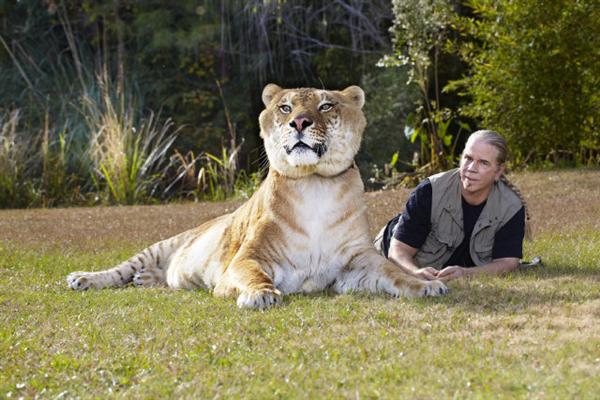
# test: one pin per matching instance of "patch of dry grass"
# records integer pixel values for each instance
(531, 334)
(562, 201)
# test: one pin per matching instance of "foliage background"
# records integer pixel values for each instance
(535, 76)
(128, 102)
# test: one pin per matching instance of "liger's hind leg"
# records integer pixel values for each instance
(151, 276)
(147, 268)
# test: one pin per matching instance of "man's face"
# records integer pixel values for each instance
(479, 167)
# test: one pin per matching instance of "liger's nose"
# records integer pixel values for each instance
(300, 123)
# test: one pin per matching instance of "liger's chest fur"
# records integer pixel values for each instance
(319, 224)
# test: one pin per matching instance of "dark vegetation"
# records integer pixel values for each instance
(136, 102)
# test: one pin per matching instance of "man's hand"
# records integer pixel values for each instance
(497, 266)
(452, 272)
(427, 273)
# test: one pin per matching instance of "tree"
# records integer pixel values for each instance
(419, 34)
(534, 75)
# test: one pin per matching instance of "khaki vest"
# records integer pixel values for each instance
(447, 231)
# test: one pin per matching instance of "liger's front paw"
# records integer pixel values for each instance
(79, 280)
(434, 288)
(259, 299)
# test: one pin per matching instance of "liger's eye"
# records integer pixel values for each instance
(285, 109)
(325, 107)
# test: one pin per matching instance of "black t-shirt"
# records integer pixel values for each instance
(416, 217)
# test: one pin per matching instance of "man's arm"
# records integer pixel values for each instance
(497, 266)
(506, 254)
(411, 232)
(402, 255)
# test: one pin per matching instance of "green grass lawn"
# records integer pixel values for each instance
(531, 334)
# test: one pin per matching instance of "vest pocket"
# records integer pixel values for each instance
(435, 251)
(483, 244)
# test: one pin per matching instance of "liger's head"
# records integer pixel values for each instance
(311, 131)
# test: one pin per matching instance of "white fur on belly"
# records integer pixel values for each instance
(316, 260)
(185, 268)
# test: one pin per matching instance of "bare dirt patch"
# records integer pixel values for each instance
(559, 201)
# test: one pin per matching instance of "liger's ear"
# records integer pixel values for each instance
(355, 95)
(269, 92)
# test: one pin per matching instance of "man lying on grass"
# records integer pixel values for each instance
(465, 221)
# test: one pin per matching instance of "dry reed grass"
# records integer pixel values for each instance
(127, 152)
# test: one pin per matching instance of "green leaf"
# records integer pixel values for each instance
(394, 160)
(448, 140)
(408, 131)
(464, 126)
(415, 134)
(443, 128)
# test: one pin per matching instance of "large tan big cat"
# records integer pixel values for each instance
(304, 230)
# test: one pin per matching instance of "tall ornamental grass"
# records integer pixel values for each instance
(127, 152)
(15, 160)
(81, 133)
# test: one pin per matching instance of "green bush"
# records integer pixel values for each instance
(389, 100)
(534, 76)
(420, 30)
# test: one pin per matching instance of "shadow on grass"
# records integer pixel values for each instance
(525, 290)
(552, 285)
(555, 271)
(548, 286)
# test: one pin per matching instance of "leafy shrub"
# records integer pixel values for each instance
(534, 76)
(419, 34)
(389, 100)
